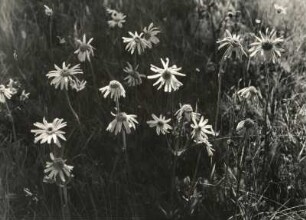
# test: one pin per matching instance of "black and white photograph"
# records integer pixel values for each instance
(152, 109)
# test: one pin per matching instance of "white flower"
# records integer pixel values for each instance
(280, 9)
(10, 85)
(49, 132)
(150, 33)
(48, 11)
(160, 123)
(85, 50)
(24, 96)
(186, 113)
(115, 89)
(200, 130)
(166, 76)
(267, 45)
(122, 121)
(118, 18)
(233, 45)
(134, 77)
(64, 76)
(209, 149)
(136, 41)
(249, 93)
(58, 169)
(78, 85)
(5, 93)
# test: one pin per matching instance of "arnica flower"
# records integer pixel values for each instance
(160, 123)
(279, 9)
(49, 132)
(48, 11)
(200, 130)
(85, 50)
(267, 45)
(249, 93)
(118, 18)
(64, 76)
(166, 76)
(115, 89)
(5, 93)
(150, 33)
(24, 95)
(78, 85)
(11, 85)
(58, 170)
(244, 126)
(186, 113)
(136, 41)
(122, 121)
(134, 77)
(233, 46)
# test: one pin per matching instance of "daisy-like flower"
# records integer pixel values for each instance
(280, 9)
(267, 45)
(150, 33)
(78, 85)
(57, 170)
(64, 76)
(136, 41)
(118, 18)
(186, 113)
(249, 93)
(115, 89)
(5, 93)
(200, 130)
(122, 121)
(134, 77)
(233, 45)
(48, 11)
(160, 123)
(166, 76)
(85, 50)
(49, 132)
(11, 86)
(24, 96)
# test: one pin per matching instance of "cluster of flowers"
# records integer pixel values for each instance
(6, 92)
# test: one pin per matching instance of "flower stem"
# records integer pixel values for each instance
(72, 109)
(219, 96)
(12, 121)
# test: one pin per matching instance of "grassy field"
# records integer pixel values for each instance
(225, 80)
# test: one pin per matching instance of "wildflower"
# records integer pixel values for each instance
(249, 93)
(5, 93)
(280, 10)
(47, 132)
(186, 113)
(58, 169)
(128, 122)
(233, 45)
(48, 11)
(11, 85)
(267, 45)
(244, 125)
(78, 85)
(136, 41)
(24, 96)
(166, 76)
(200, 130)
(64, 76)
(85, 50)
(115, 89)
(160, 123)
(118, 18)
(209, 149)
(134, 77)
(150, 33)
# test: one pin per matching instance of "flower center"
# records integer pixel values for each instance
(160, 123)
(267, 46)
(58, 164)
(121, 117)
(137, 40)
(147, 36)
(166, 75)
(114, 85)
(49, 130)
(65, 73)
(84, 47)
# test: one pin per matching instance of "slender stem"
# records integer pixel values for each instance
(94, 79)
(12, 120)
(219, 96)
(72, 109)
(50, 36)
